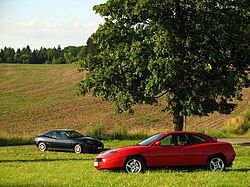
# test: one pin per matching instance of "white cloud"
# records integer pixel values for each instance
(48, 33)
(47, 23)
(36, 26)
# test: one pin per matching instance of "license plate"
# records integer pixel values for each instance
(96, 164)
(99, 147)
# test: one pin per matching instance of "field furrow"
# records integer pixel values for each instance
(36, 98)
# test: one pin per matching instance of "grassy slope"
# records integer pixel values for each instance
(26, 166)
(36, 98)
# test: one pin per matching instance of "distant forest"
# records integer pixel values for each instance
(57, 55)
(43, 56)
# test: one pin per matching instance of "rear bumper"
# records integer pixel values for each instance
(230, 159)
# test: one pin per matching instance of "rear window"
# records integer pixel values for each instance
(193, 139)
(209, 137)
(74, 134)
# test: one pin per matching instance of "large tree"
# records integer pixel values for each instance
(195, 53)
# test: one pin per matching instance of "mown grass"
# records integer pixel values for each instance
(26, 166)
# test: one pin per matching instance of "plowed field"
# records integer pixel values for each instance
(36, 98)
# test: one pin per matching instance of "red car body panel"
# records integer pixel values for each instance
(157, 156)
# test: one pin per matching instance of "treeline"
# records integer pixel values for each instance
(54, 55)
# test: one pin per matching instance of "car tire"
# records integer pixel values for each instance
(216, 163)
(42, 146)
(134, 165)
(78, 148)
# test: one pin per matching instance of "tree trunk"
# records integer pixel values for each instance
(178, 120)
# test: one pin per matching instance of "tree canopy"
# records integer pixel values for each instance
(195, 53)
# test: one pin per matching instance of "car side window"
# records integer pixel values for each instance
(182, 139)
(61, 135)
(168, 141)
(196, 139)
(50, 134)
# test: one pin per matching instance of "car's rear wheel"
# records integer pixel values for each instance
(134, 165)
(42, 146)
(216, 163)
(78, 148)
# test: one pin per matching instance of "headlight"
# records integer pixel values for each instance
(111, 153)
(100, 160)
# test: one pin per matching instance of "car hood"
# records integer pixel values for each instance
(124, 151)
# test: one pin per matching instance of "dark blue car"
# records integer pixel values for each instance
(69, 140)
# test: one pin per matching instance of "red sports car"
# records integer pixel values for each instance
(169, 149)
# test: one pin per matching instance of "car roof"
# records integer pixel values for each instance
(61, 130)
(190, 132)
(179, 132)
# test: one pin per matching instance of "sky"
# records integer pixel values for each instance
(47, 23)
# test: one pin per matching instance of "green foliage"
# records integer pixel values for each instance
(16, 140)
(196, 53)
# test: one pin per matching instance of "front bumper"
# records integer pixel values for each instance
(100, 163)
(94, 148)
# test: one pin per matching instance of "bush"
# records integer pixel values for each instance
(238, 126)
(14, 140)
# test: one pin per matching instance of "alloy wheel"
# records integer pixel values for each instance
(42, 146)
(216, 164)
(134, 165)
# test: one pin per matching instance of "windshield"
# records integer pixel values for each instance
(74, 134)
(150, 140)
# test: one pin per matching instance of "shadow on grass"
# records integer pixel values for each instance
(46, 160)
(239, 170)
(244, 144)
(157, 169)
(70, 151)
(184, 170)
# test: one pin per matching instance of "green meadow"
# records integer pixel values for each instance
(26, 166)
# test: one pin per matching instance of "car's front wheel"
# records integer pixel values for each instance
(216, 163)
(42, 146)
(78, 148)
(134, 165)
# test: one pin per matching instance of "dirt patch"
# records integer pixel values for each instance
(238, 141)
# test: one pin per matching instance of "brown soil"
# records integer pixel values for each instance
(37, 98)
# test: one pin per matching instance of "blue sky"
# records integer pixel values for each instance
(47, 23)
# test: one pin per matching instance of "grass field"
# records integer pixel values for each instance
(37, 98)
(26, 166)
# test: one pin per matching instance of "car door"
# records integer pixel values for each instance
(170, 152)
(50, 139)
(62, 141)
(198, 149)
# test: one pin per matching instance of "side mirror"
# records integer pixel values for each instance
(158, 143)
